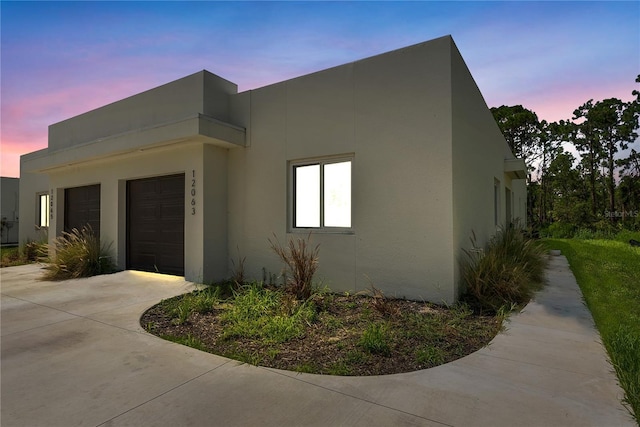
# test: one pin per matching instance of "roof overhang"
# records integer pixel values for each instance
(198, 128)
(515, 168)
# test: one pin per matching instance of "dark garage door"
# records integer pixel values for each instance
(82, 207)
(155, 224)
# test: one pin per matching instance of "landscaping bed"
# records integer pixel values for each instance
(337, 334)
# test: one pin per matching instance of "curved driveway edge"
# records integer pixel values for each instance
(73, 354)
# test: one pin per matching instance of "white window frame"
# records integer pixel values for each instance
(321, 161)
(40, 211)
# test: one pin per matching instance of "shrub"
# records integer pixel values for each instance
(301, 263)
(507, 272)
(560, 230)
(33, 251)
(79, 254)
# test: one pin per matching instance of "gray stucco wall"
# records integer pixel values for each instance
(392, 113)
(478, 152)
(201, 92)
(31, 184)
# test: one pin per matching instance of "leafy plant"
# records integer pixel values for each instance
(507, 272)
(430, 355)
(301, 263)
(375, 339)
(79, 253)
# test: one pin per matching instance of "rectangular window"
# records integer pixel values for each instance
(496, 201)
(322, 194)
(43, 210)
(507, 204)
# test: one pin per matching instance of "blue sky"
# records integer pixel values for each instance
(60, 59)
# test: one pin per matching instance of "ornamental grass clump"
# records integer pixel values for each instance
(78, 253)
(506, 273)
(301, 263)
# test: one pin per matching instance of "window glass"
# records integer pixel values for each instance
(43, 217)
(307, 196)
(322, 194)
(337, 194)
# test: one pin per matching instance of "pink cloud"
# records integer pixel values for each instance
(557, 101)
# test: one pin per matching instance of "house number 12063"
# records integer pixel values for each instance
(193, 192)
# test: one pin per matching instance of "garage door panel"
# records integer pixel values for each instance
(82, 208)
(155, 224)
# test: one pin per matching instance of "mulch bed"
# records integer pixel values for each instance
(420, 335)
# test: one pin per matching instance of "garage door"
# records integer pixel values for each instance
(82, 207)
(155, 224)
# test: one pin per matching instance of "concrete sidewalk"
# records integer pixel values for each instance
(73, 354)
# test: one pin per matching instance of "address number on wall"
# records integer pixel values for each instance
(193, 192)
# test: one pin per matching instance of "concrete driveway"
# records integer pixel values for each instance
(73, 354)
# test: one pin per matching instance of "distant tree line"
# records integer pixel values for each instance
(601, 190)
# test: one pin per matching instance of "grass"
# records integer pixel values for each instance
(11, 257)
(375, 339)
(266, 314)
(30, 252)
(200, 301)
(608, 272)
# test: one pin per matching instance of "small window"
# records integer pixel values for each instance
(43, 210)
(508, 205)
(496, 202)
(322, 194)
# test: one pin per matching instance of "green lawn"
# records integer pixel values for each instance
(10, 256)
(608, 272)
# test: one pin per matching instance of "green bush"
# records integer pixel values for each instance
(507, 272)
(560, 230)
(79, 254)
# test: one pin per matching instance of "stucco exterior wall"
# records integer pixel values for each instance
(31, 184)
(201, 92)
(112, 175)
(478, 152)
(397, 127)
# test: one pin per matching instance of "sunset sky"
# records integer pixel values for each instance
(60, 59)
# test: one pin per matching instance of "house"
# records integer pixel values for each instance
(390, 162)
(9, 190)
